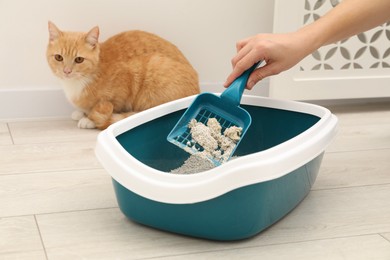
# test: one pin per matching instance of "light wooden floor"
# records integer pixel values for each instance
(56, 202)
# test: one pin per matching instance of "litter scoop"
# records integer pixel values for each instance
(226, 110)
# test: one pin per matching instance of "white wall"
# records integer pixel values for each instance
(205, 30)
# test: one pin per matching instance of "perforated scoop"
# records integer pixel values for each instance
(224, 108)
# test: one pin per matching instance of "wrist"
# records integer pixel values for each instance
(312, 38)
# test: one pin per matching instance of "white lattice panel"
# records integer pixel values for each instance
(358, 67)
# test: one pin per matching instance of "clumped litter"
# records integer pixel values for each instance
(211, 144)
(194, 164)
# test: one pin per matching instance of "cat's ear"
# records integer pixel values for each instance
(54, 32)
(93, 36)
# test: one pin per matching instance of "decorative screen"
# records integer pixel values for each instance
(368, 50)
(358, 67)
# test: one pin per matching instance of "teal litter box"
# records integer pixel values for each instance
(278, 161)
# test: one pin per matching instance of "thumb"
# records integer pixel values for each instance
(259, 74)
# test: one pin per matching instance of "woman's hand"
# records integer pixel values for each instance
(279, 52)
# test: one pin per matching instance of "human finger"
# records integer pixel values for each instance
(242, 65)
(242, 43)
(260, 74)
(240, 55)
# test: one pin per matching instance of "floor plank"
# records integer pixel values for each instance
(335, 213)
(107, 234)
(350, 169)
(362, 127)
(47, 157)
(24, 255)
(386, 236)
(19, 236)
(363, 137)
(51, 174)
(353, 113)
(353, 248)
(53, 131)
(28, 194)
(5, 137)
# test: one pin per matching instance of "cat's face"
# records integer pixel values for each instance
(73, 55)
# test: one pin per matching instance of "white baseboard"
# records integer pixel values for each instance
(50, 102)
(33, 103)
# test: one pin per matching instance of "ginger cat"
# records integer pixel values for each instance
(130, 72)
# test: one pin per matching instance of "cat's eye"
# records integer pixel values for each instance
(58, 57)
(79, 59)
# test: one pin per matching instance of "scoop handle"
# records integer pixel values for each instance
(234, 92)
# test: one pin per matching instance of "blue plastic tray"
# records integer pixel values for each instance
(278, 162)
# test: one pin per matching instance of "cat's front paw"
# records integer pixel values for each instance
(86, 123)
(77, 115)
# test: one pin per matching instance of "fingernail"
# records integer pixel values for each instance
(250, 84)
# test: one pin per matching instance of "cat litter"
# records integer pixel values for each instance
(224, 107)
(211, 142)
(278, 161)
(194, 164)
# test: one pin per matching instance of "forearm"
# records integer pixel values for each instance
(350, 17)
(282, 51)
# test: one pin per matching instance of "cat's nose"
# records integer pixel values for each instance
(67, 70)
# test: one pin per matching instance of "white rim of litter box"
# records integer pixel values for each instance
(250, 169)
